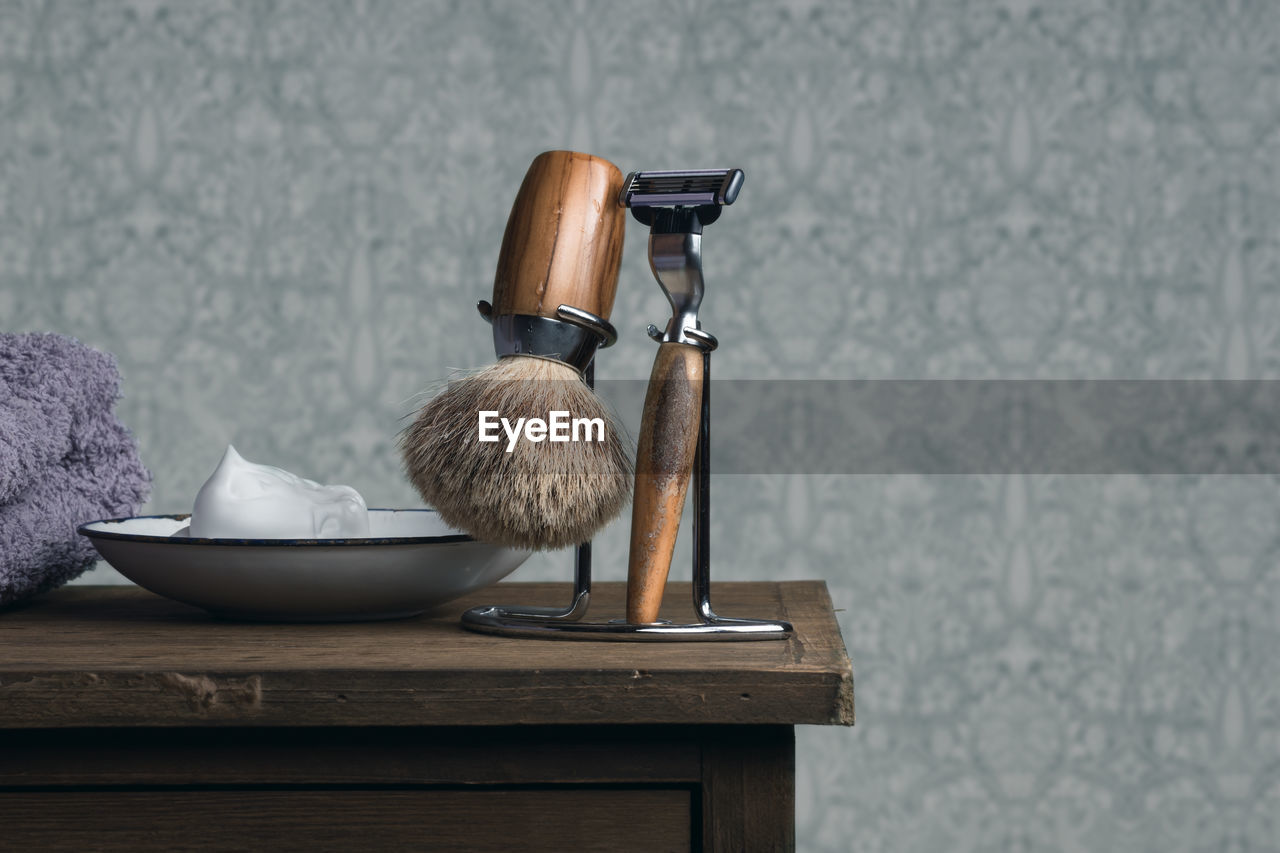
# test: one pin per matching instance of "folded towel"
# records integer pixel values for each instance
(64, 459)
(47, 383)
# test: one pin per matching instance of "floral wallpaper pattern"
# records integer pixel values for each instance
(279, 216)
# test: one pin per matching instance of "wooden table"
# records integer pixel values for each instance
(131, 722)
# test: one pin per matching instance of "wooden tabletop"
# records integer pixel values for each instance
(121, 656)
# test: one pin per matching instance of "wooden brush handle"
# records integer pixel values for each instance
(664, 461)
(563, 243)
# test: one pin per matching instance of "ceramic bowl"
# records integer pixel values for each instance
(411, 562)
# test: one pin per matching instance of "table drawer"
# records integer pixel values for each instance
(614, 819)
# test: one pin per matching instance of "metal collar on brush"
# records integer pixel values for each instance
(573, 336)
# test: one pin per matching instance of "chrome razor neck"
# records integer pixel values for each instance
(675, 256)
(676, 260)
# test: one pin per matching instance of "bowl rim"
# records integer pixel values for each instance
(445, 538)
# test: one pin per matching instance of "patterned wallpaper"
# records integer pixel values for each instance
(279, 216)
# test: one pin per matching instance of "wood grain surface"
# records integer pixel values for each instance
(664, 460)
(346, 820)
(120, 656)
(748, 790)
(450, 788)
(563, 243)
(366, 755)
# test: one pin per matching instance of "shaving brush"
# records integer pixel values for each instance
(553, 291)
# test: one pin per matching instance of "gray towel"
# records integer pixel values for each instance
(64, 459)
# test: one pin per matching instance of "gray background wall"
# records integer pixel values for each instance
(279, 217)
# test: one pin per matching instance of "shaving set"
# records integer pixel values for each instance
(673, 448)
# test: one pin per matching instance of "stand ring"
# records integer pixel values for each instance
(702, 339)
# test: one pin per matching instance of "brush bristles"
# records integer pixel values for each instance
(541, 495)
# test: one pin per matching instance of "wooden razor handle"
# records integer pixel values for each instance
(563, 243)
(664, 462)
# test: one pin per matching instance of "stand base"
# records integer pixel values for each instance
(521, 622)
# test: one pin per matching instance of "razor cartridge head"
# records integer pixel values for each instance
(680, 201)
(687, 188)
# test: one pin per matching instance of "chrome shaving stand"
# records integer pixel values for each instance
(568, 624)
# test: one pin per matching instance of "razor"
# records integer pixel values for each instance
(676, 205)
